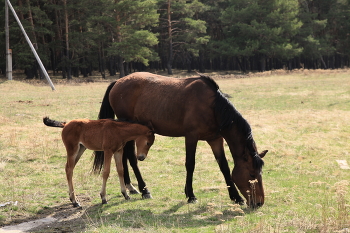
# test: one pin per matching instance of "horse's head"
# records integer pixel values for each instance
(246, 175)
(143, 143)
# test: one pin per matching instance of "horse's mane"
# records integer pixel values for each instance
(225, 112)
(209, 81)
(227, 115)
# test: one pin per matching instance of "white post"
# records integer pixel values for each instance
(31, 46)
(8, 50)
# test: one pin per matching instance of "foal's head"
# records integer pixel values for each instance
(143, 143)
(247, 172)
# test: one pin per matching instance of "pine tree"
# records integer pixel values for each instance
(132, 39)
(261, 29)
(181, 31)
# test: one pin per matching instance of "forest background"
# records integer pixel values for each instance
(77, 37)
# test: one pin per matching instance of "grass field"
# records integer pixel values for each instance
(302, 118)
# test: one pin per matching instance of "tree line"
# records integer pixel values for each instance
(77, 37)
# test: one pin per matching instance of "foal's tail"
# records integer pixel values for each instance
(106, 111)
(47, 121)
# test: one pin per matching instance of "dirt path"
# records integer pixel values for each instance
(63, 218)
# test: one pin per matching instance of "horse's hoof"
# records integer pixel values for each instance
(147, 196)
(104, 202)
(239, 201)
(192, 200)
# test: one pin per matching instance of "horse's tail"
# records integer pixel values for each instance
(52, 123)
(106, 111)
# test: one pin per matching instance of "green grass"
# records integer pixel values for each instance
(302, 118)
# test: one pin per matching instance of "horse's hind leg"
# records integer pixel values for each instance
(129, 153)
(118, 157)
(217, 147)
(73, 152)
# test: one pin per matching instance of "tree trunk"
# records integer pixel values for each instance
(102, 61)
(263, 63)
(112, 70)
(201, 62)
(170, 41)
(121, 67)
(68, 68)
(34, 39)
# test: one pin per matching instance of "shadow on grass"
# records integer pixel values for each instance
(176, 217)
(128, 217)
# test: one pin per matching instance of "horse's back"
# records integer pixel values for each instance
(173, 105)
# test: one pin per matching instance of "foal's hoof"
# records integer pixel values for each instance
(104, 202)
(192, 200)
(76, 204)
(147, 196)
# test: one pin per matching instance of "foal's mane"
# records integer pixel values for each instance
(227, 116)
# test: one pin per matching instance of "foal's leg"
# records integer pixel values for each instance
(217, 147)
(106, 169)
(80, 153)
(118, 157)
(191, 145)
(73, 155)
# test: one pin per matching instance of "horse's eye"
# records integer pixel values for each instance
(252, 175)
(148, 144)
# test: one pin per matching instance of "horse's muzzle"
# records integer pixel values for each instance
(141, 157)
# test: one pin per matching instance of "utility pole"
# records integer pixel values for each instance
(8, 50)
(30, 45)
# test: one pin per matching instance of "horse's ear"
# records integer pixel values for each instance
(150, 126)
(262, 154)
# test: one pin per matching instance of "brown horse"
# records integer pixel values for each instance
(196, 109)
(105, 135)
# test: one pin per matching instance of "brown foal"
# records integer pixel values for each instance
(105, 135)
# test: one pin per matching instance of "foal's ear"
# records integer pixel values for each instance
(150, 133)
(150, 126)
(262, 154)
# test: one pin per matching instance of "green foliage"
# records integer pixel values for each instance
(260, 27)
(101, 29)
(136, 47)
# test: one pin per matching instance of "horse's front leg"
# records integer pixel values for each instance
(106, 170)
(127, 180)
(118, 157)
(191, 145)
(217, 147)
(129, 153)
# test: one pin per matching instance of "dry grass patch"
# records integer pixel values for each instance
(301, 117)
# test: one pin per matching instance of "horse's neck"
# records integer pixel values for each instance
(235, 141)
